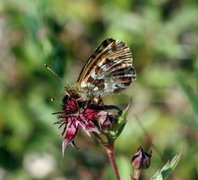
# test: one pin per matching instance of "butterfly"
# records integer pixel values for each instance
(108, 70)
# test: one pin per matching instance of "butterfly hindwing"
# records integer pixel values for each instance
(108, 70)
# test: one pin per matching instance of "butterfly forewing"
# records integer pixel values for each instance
(108, 70)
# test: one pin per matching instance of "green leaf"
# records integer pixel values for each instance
(123, 115)
(167, 169)
(121, 122)
(118, 131)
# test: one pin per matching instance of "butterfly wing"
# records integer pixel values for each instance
(108, 70)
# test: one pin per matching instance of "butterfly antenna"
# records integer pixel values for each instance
(53, 72)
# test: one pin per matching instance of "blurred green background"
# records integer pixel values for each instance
(163, 37)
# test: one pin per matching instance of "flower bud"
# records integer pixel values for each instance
(141, 160)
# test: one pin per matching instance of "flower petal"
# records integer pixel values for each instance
(70, 133)
(87, 125)
(90, 114)
(102, 117)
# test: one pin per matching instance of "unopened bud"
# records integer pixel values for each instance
(141, 160)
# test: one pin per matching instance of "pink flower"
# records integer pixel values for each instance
(77, 114)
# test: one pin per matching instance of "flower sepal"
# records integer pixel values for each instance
(120, 122)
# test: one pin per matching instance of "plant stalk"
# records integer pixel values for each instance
(110, 153)
(109, 147)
